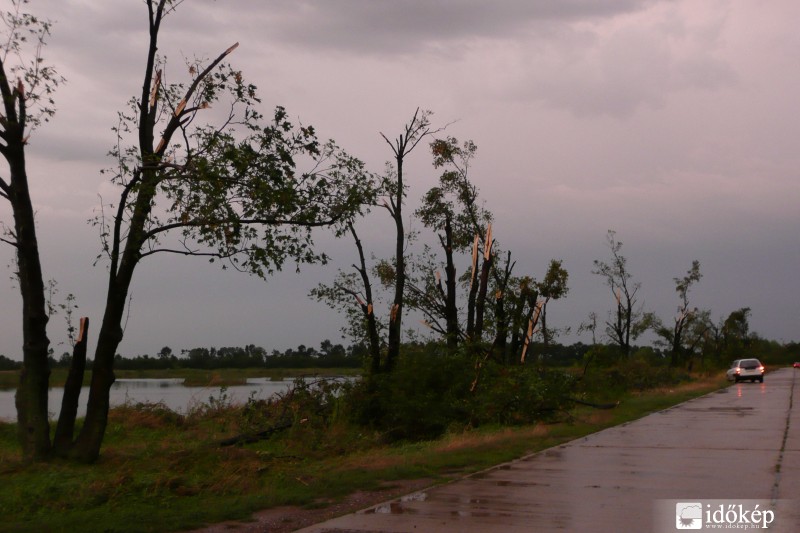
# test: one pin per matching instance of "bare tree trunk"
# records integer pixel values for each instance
(413, 133)
(87, 445)
(473, 291)
(33, 427)
(65, 429)
(518, 325)
(501, 314)
(480, 303)
(31, 397)
(450, 308)
(543, 329)
(368, 307)
(396, 312)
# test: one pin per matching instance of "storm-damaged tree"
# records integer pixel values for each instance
(680, 337)
(26, 85)
(348, 286)
(451, 210)
(362, 325)
(626, 322)
(552, 287)
(523, 301)
(230, 191)
(413, 133)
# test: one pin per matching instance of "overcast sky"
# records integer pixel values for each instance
(674, 123)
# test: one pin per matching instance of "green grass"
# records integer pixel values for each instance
(163, 472)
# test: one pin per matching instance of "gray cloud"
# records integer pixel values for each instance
(380, 27)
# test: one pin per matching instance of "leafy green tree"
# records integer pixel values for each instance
(681, 337)
(736, 335)
(451, 209)
(229, 191)
(552, 287)
(165, 352)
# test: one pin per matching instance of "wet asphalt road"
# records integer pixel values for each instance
(740, 443)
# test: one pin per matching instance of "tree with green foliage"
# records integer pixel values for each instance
(552, 287)
(450, 209)
(229, 191)
(736, 335)
(682, 337)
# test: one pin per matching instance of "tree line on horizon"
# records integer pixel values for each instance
(356, 355)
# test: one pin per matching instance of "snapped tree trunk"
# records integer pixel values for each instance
(480, 304)
(87, 445)
(473, 291)
(500, 344)
(367, 307)
(65, 429)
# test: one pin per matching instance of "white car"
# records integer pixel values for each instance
(744, 369)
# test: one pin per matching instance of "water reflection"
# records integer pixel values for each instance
(146, 383)
(170, 392)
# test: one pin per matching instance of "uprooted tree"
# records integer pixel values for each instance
(229, 191)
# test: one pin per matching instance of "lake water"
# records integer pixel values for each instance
(169, 391)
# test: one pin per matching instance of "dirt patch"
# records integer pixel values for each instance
(475, 440)
(290, 518)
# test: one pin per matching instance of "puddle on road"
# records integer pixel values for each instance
(478, 514)
(738, 411)
(507, 483)
(397, 507)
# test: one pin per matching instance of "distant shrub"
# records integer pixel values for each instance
(430, 391)
(9, 364)
(635, 374)
(513, 395)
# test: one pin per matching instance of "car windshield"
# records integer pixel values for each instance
(749, 363)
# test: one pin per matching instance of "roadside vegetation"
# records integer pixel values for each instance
(315, 444)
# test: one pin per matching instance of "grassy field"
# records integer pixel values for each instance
(163, 472)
